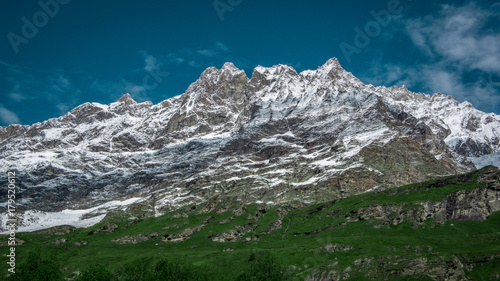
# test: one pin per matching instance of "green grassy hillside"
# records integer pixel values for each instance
(446, 228)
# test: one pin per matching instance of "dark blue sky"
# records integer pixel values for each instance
(57, 54)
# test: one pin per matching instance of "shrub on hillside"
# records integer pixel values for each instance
(265, 267)
(37, 268)
(95, 273)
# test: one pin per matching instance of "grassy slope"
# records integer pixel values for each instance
(383, 252)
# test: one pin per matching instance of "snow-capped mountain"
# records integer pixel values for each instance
(466, 130)
(279, 136)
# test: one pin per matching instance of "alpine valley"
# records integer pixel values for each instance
(272, 159)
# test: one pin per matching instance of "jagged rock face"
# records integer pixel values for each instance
(463, 128)
(279, 136)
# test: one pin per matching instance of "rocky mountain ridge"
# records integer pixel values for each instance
(279, 136)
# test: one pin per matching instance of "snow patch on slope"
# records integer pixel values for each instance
(486, 160)
(34, 220)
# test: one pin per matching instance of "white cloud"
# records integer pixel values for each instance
(174, 58)
(151, 63)
(480, 93)
(461, 56)
(460, 35)
(198, 57)
(16, 96)
(8, 117)
(213, 51)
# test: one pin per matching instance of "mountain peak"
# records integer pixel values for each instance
(274, 71)
(230, 67)
(127, 99)
(213, 72)
(332, 64)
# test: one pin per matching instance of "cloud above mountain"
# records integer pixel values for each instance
(457, 52)
(7, 116)
(459, 35)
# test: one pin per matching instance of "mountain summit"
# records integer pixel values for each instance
(277, 137)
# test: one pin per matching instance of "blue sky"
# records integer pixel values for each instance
(58, 54)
